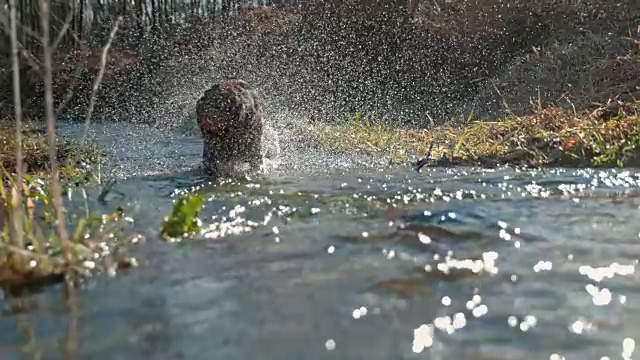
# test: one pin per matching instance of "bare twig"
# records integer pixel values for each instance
(31, 254)
(65, 26)
(504, 101)
(70, 90)
(25, 29)
(438, 10)
(32, 60)
(433, 123)
(418, 165)
(13, 28)
(98, 81)
(17, 103)
(76, 73)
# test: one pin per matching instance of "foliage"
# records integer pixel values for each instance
(184, 217)
(35, 245)
(38, 257)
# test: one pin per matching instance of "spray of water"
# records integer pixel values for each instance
(323, 64)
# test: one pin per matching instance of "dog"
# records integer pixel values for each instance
(231, 119)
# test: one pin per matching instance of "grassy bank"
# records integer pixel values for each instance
(31, 251)
(549, 136)
(77, 161)
(571, 100)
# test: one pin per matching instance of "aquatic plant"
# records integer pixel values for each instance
(184, 217)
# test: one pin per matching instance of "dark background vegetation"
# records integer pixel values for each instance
(412, 60)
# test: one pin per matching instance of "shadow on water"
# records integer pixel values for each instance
(351, 262)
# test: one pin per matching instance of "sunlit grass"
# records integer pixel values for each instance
(77, 162)
(608, 136)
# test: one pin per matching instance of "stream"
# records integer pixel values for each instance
(338, 257)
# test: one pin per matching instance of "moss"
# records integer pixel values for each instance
(607, 136)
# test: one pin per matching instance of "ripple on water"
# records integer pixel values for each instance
(355, 263)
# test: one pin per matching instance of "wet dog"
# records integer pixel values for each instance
(231, 119)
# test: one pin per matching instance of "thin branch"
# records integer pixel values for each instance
(31, 254)
(70, 90)
(51, 129)
(418, 165)
(17, 103)
(433, 123)
(25, 29)
(65, 27)
(98, 81)
(31, 59)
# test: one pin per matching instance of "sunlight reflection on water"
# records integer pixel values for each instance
(354, 262)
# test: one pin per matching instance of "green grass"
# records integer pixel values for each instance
(608, 136)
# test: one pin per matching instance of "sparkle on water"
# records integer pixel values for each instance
(346, 259)
(334, 256)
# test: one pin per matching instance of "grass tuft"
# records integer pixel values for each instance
(96, 240)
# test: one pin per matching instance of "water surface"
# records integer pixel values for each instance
(338, 257)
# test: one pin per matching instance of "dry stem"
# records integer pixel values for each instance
(56, 190)
(17, 220)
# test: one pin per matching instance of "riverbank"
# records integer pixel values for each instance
(39, 256)
(76, 161)
(549, 136)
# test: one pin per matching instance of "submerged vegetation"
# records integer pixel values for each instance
(550, 136)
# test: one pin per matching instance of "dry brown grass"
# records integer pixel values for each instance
(608, 136)
(36, 159)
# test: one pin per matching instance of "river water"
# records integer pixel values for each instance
(338, 257)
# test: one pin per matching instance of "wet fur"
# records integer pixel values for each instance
(231, 120)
